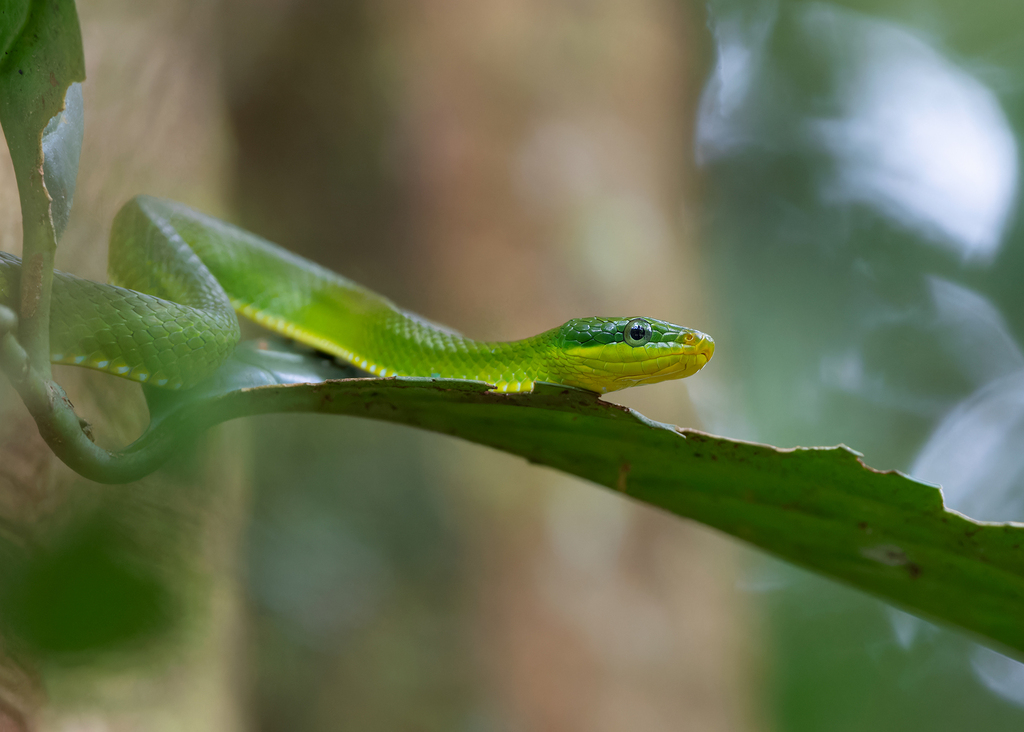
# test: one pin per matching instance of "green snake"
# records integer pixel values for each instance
(179, 276)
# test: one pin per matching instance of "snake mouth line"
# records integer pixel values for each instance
(687, 365)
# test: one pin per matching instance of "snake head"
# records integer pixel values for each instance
(607, 354)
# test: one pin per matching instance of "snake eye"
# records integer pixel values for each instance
(637, 332)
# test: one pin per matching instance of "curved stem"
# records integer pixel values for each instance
(62, 429)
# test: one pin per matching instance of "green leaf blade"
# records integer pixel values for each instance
(820, 508)
(62, 149)
(13, 16)
(38, 66)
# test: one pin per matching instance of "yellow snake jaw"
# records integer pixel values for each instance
(617, 366)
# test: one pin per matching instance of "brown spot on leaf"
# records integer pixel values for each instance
(887, 554)
(621, 483)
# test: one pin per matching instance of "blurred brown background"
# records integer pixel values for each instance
(852, 241)
(497, 166)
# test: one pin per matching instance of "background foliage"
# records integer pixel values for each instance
(850, 243)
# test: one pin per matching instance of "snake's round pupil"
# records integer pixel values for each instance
(637, 332)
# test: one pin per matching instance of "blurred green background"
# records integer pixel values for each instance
(829, 189)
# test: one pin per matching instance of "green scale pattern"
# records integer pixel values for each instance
(128, 333)
(319, 307)
(179, 276)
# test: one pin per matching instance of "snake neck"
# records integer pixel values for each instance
(407, 345)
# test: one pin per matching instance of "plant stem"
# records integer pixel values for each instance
(39, 249)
